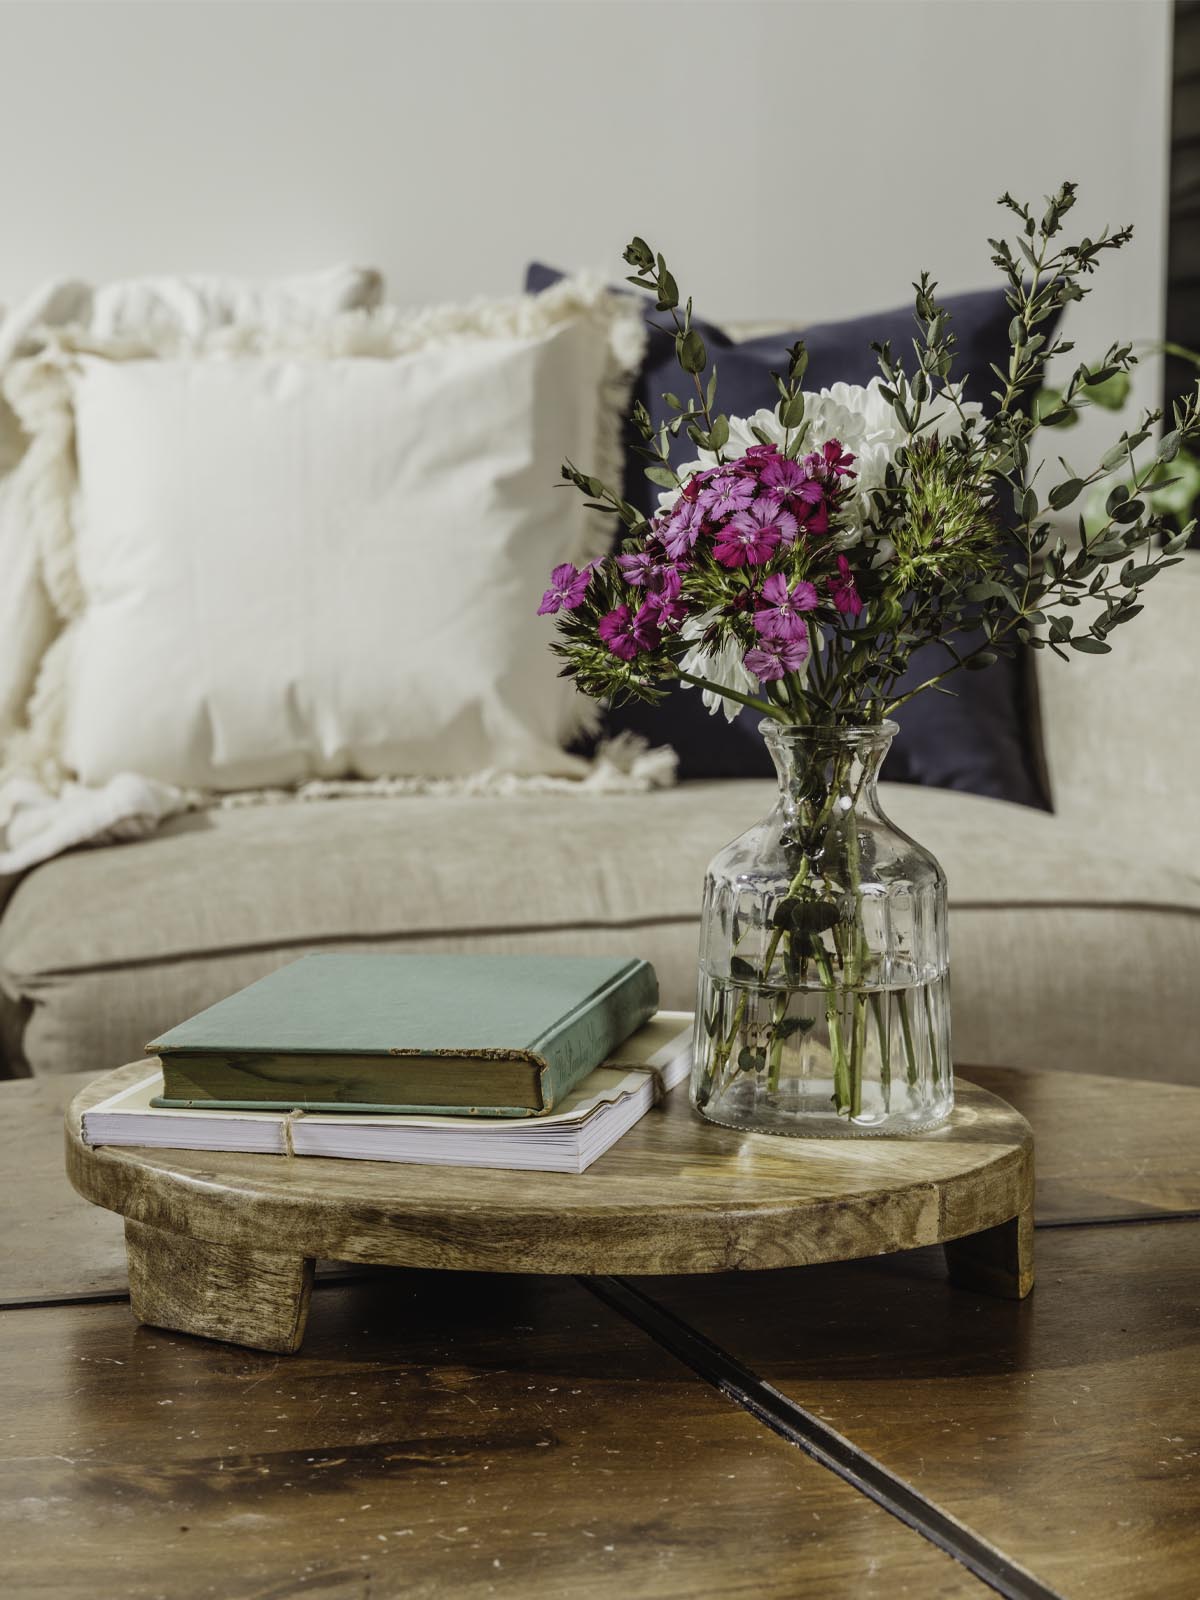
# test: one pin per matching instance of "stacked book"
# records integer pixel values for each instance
(536, 1063)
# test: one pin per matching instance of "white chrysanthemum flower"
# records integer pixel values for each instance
(720, 663)
(868, 427)
(861, 419)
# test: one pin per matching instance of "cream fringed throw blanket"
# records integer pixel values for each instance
(36, 824)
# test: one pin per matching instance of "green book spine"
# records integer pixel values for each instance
(582, 1039)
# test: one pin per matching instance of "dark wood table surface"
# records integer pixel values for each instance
(828, 1431)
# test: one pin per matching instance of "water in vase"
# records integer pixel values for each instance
(856, 1060)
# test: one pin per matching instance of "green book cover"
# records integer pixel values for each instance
(493, 1035)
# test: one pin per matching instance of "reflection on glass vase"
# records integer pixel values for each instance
(824, 1002)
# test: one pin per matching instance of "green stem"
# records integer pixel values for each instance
(723, 1049)
(837, 1050)
(704, 411)
(885, 1049)
(775, 1054)
(857, 1052)
(906, 1030)
(959, 661)
(857, 972)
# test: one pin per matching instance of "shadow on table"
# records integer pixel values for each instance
(1100, 1298)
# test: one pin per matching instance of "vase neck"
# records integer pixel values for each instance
(834, 769)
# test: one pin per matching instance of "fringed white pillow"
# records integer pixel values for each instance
(138, 308)
(282, 555)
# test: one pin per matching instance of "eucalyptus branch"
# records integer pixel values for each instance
(652, 274)
(939, 677)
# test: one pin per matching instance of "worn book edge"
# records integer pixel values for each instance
(589, 1122)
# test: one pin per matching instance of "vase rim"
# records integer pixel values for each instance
(829, 733)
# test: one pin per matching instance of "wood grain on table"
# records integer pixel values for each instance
(440, 1436)
(676, 1194)
(1066, 1428)
(1104, 1147)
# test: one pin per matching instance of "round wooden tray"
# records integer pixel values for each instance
(223, 1244)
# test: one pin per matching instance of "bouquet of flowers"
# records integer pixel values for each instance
(805, 552)
(794, 565)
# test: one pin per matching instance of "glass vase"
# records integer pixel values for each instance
(824, 1004)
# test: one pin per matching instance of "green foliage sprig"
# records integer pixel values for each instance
(962, 540)
(1051, 584)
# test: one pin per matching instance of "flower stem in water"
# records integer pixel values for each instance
(906, 1030)
(885, 1050)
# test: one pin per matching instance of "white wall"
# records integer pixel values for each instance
(802, 158)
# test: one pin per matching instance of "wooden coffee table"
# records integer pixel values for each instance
(223, 1244)
(486, 1434)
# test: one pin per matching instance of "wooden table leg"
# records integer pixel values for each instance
(997, 1261)
(249, 1297)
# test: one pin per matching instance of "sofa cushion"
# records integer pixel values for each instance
(1058, 959)
(1120, 729)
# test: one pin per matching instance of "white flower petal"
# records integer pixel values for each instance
(719, 663)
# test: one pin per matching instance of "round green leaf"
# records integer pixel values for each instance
(1062, 494)
(691, 352)
(1111, 392)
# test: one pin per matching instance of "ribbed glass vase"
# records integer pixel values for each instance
(824, 1004)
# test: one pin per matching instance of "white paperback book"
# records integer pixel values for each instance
(590, 1121)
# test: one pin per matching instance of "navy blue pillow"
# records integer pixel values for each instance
(980, 739)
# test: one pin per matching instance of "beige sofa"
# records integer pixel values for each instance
(1075, 937)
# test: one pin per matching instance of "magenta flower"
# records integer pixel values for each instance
(752, 536)
(664, 582)
(725, 494)
(684, 527)
(636, 568)
(831, 461)
(817, 520)
(782, 617)
(568, 585)
(769, 660)
(838, 462)
(627, 636)
(790, 484)
(788, 477)
(668, 611)
(842, 591)
(756, 458)
(663, 585)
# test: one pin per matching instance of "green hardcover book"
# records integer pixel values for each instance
(501, 1036)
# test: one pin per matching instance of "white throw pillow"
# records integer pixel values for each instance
(293, 562)
(161, 307)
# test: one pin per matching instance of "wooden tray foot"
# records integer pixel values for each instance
(248, 1297)
(997, 1261)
